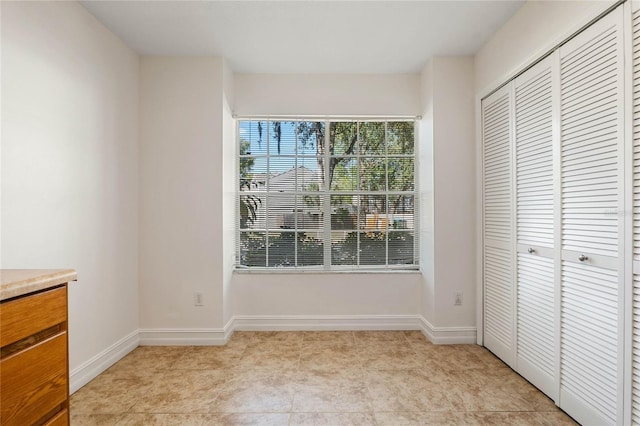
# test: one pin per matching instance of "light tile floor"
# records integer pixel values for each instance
(313, 378)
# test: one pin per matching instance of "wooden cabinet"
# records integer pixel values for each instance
(34, 362)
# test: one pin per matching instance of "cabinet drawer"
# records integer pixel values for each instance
(28, 315)
(60, 419)
(33, 382)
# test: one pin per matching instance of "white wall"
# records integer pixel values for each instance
(319, 294)
(327, 294)
(454, 190)
(426, 182)
(230, 185)
(447, 177)
(534, 29)
(296, 94)
(70, 164)
(181, 187)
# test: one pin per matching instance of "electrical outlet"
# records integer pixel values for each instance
(197, 299)
(458, 299)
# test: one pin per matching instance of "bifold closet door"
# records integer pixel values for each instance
(498, 269)
(535, 108)
(635, 135)
(592, 191)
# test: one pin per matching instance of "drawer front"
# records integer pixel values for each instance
(28, 315)
(60, 419)
(33, 382)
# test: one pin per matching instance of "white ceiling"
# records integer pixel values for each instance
(307, 36)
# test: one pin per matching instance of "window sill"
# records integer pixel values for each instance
(266, 271)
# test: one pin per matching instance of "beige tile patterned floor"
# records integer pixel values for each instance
(313, 378)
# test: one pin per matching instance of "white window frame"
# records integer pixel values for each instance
(326, 198)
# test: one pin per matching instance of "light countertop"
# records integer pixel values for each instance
(17, 282)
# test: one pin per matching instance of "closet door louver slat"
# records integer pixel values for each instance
(535, 226)
(589, 327)
(592, 137)
(498, 270)
(534, 185)
(536, 313)
(602, 150)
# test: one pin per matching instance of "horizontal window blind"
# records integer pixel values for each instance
(326, 194)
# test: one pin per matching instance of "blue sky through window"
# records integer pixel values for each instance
(262, 139)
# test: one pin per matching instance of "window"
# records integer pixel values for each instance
(326, 195)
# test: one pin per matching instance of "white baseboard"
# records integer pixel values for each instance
(90, 369)
(325, 322)
(185, 336)
(448, 335)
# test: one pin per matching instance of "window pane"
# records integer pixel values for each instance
(373, 248)
(252, 173)
(344, 211)
(401, 211)
(280, 211)
(401, 174)
(310, 249)
(253, 249)
(310, 138)
(281, 248)
(344, 174)
(373, 174)
(310, 174)
(373, 212)
(400, 137)
(282, 174)
(253, 137)
(372, 138)
(343, 137)
(401, 248)
(282, 138)
(309, 212)
(252, 212)
(344, 248)
(246, 174)
(251, 176)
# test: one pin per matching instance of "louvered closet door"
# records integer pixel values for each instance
(592, 143)
(535, 107)
(635, 134)
(498, 224)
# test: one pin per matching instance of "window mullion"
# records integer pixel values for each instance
(266, 200)
(237, 198)
(295, 200)
(358, 233)
(386, 188)
(416, 195)
(327, 197)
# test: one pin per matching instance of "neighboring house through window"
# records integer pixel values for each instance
(327, 194)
